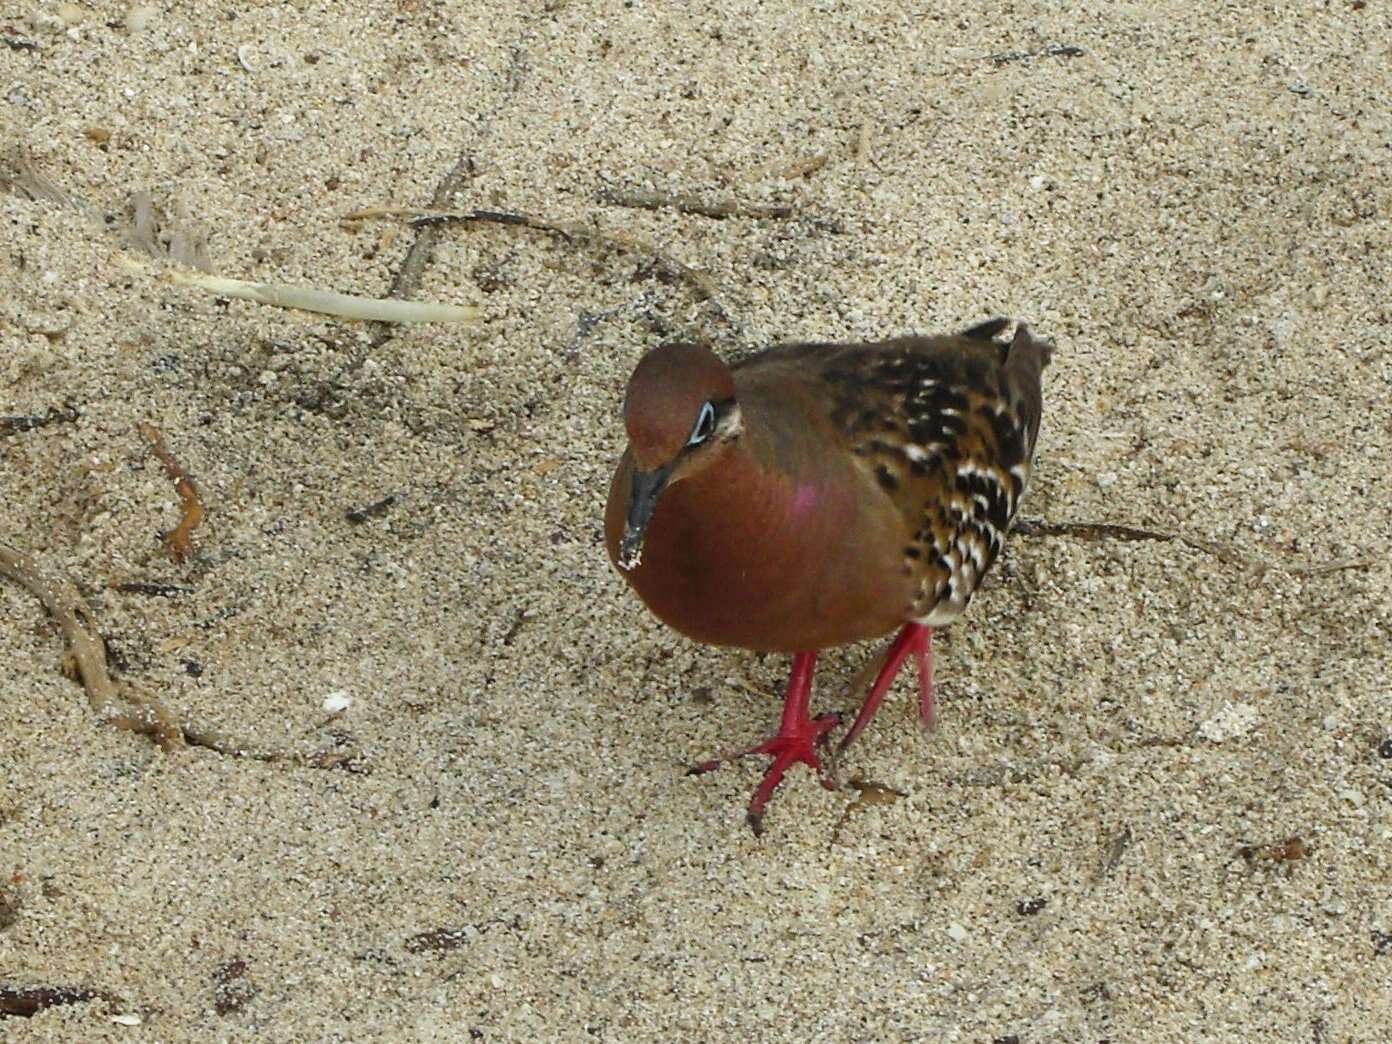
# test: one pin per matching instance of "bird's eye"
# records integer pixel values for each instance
(705, 425)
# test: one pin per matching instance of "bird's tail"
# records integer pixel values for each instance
(1024, 363)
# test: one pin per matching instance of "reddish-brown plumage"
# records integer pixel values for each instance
(819, 494)
(777, 587)
(664, 394)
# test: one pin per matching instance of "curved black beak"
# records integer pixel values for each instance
(646, 487)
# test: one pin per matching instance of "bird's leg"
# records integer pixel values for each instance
(798, 737)
(912, 638)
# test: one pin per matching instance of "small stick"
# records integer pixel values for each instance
(1054, 51)
(1320, 568)
(641, 199)
(15, 425)
(863, 142)
(27, 1001)
(142, 587)
(1105, 530)
(150, 717)
(357, 516)
(180, 538)
(703, 283)
(804, 167)
(88, 654)
(326, 302)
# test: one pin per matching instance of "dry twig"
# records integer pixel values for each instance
(27, 1001)
(1113, 531)
(642, 199)
(180, 538)
(88, 653)
(14, 425)
(568, 230)
(1053, 51)
(804, 167)
(141, 714)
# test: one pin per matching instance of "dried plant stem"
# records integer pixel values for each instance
(120, 705)
(704, 284)
(641, 199)
(180, 538)
(347, 306)
(1222, 552)
(88, 653)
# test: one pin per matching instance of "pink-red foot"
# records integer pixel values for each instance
(787, 749)
(799, 736)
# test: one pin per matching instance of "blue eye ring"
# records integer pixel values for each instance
(705, 425)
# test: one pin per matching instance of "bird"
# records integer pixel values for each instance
(818, 494)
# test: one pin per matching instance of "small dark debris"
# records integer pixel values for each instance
(435, 802)
(378, 508)
(1030, 907)
(323, 397)
(1382, 943)
(116, 657)
(1011, 1038)
(141, 587)
(15, 425)
(1291, 850)
(1385, 748)
(16, 43)
(441, 940)
(702, 696)
(30, 1000)
(232, 991)
(491, 278)
(1098, 991)
(1115, 850)
(1056, 51)
(192, 668)
(518, 622)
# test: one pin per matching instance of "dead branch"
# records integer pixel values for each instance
(572, 231)
(27, 1001)
(180, 538)
(1224, 553)
(642, 199)
(15, 425)
(140, 714)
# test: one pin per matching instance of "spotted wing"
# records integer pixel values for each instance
(947, 427)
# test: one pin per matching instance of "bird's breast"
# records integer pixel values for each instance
(739, 556)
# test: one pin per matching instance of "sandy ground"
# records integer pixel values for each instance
(1158, 806)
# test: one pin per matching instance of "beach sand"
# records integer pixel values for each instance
(1157, 808)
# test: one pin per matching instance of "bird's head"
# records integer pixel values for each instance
(681, 415)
